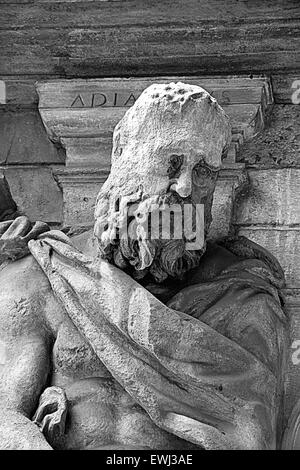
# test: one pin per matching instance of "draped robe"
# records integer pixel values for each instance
(206, 367)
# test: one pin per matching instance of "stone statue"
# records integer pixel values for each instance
(128, 339)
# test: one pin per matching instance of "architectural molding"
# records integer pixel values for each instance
(81, 114)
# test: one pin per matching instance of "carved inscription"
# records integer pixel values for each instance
(121, 98)
(107, 99)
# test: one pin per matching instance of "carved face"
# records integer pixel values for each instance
(190, 177)
(167, 147)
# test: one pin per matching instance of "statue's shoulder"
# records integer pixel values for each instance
(247, 249)
(27, 301)
(242, 254)
(22, 277)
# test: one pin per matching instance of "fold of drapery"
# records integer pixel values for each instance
(191, 380)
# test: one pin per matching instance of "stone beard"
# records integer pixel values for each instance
(138, 253)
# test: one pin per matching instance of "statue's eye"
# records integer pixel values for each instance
(175, 164)
(201, 170)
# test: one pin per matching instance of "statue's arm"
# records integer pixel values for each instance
(24, 366)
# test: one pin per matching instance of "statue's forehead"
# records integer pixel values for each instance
(170, 119)
(162, 156)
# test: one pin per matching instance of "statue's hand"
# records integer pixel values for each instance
(51, 413)
(15, 235)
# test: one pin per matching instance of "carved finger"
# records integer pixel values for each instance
(40, 413)
(45, 425)
(4, 226)
(46, 407)
(37, 229)
(53, 426)
(56, 427)
(18, 228)
(54, 395)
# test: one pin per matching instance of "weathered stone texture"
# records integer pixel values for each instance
(7, 205)
(267, 211)
(88, 152)
(36, 193)
(221, 210)
(24, 140)
(113, 39)
(272, 198)
(80, 188)
(229, 182)
(283, 244)
(279, 144)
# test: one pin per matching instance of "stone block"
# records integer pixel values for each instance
(80, 188)
(7, 205)
(24, 140)
(230, 180)
(273, 198)
(88, 152)
(36, 193)
(279, 144)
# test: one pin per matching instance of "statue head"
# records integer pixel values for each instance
(167, 150)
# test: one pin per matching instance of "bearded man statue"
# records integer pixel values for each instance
(139, 334)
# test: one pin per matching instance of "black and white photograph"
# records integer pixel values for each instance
(150, 228)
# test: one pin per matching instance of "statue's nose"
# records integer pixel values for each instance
(183, 185)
